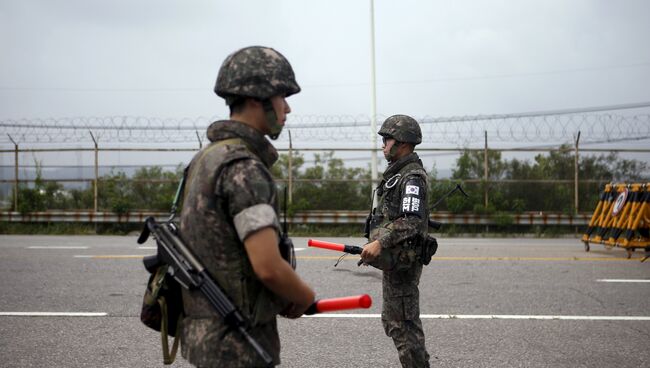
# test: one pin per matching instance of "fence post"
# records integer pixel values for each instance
(96, 181)
(199, 138)
(290, 168)
(15, 172)
(485, 171)
(575, 177)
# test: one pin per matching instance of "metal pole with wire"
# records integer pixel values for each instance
(15, 172)
(576, 169)
(96, 181)
(290, 169)
(373, 99)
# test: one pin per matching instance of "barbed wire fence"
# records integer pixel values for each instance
(599, 125)
(620, 126)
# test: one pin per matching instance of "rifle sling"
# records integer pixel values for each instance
(168, 357)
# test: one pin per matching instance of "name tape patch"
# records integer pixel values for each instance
(410, 204)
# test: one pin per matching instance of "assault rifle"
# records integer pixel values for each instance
(191, 274)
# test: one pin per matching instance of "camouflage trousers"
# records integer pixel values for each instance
(209, 343)
(401, 315)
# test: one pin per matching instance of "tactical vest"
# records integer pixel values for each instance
(388, 210)
(210, 233)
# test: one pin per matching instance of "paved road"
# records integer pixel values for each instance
(481, 300)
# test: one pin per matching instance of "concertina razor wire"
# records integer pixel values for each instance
(461, 131)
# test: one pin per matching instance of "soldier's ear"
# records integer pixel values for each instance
(253, 102)
(408, 147)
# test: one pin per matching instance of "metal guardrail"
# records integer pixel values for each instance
(311, 217)
(80, 216)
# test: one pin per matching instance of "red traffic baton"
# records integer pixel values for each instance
(352, 249)
(336, 304)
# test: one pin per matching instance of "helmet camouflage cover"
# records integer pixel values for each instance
(257, 72)
(402, 128)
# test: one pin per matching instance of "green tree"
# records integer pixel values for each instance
(42, 196)
(471, 165)
(559, 165)
(116, 193)
(281, 168)
(538, 196)
(154, 188)
(329, 185)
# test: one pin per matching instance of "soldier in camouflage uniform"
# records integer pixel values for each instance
(229, 217)
(397, 232)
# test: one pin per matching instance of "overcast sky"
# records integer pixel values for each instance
(76, 58)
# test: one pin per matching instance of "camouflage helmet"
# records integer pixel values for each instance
(257, 72)
(402, 128)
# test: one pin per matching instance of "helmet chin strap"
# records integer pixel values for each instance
(393, 152)
(271, 119)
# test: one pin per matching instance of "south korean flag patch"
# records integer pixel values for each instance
(412, 200)
(412, 189)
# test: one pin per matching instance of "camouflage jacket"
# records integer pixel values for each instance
(400, 219)
(229, 195)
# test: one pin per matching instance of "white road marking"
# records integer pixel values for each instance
(623, 280)
(112, 256)
(296, 249)
(61, 247)
(341, 315)
(494, 316)
(53, 314)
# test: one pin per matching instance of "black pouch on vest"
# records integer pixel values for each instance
(428, 249)
(287, 250)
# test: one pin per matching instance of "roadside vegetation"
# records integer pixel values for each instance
(329, 185)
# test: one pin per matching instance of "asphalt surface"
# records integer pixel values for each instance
(480, 298)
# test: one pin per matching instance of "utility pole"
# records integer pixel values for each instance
(373, 99)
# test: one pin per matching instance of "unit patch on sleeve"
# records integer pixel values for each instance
(411, 199)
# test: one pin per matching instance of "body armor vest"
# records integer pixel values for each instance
(211, 235)
(389, 201)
